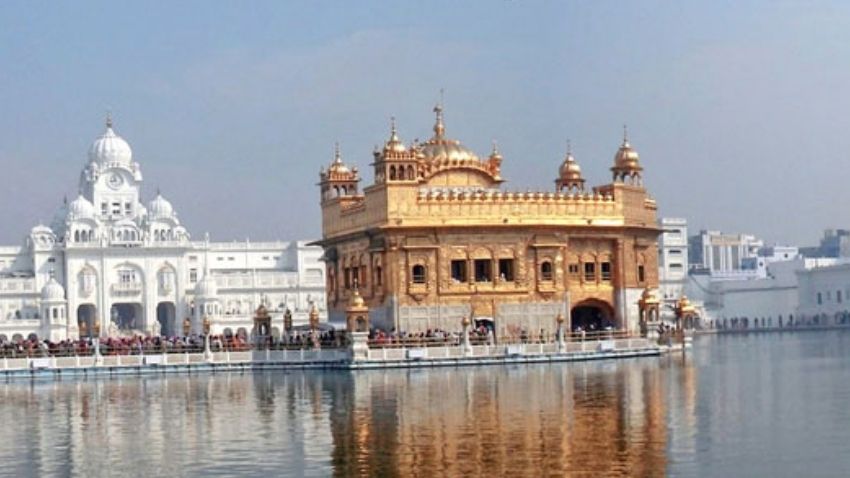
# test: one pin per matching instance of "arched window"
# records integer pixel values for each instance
(378, 276)
(392, 172)
(410, 173)
(546, 271)
(418, 273)
(76, 236)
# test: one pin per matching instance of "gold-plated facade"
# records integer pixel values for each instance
(435, 238)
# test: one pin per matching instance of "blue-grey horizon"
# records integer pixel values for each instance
(232, 108)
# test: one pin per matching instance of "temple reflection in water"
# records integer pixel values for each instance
(593, 418)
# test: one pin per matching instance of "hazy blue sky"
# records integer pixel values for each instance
(738, 109)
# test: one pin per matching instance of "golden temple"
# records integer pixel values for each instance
(435, 238)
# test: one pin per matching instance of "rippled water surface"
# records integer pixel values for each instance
(758, 405)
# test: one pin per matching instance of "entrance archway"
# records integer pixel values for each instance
(166, 315)
(127, 316)
(86, 316)
(592, 315)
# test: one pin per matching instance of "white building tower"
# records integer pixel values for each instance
(54, 311)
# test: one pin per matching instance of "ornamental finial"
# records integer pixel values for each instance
(439, 127)
(625, 134)
(108, 119)
(337, 155)
(393, 131)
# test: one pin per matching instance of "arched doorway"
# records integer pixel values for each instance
(86, 317)
(591, 315)
(242, 333)
(127, 316)
(166, 314)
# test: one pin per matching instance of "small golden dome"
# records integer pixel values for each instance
(495, 154)
(626, 158)
(394, 144)
(570, 169)
(684, 305)
(648, 296)
(337, 166)
(356, 301)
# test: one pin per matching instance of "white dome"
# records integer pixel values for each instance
(81, 208)
(41, 229)
(53, 291)
(206, 287)
(160, 208)
(110, 148)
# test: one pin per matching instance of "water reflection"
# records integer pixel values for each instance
(605, 418)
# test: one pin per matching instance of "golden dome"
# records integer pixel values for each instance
(569, 168)
(648, 297)
(440, 148)
(337, 166)
(356, 301)
(569, 174)
(626, 157)
(684, 305)
(495, 154)
(394, 144)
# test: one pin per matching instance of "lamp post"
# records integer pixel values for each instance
(207, 351)
(287, 325)
(465, 344)
(98, 359)
(562, 346)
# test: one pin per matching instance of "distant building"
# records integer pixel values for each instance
(834, 243)
(111, 262)
(722, 254)
(825, 290)
(672, 257)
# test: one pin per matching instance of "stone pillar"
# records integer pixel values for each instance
(359, 346)
(98, 358)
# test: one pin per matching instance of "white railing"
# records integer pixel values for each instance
(452, 351)
(127, 288)
(17, 285)
(240, 358)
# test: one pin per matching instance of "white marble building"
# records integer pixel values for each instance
(672, 258)
(107, 256)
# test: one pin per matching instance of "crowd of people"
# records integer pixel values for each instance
(148, 345)
(481, 335)
(822, 320)
(431, 337)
